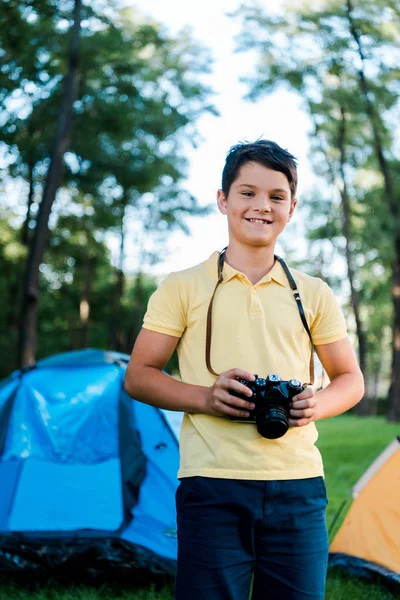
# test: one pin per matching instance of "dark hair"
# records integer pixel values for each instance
(265, 152)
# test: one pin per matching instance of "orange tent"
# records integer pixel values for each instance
(368, 541)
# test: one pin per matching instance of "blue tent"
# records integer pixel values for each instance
(87, 475)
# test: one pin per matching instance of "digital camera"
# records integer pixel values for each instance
(271, 397)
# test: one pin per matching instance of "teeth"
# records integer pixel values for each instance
(258, 221)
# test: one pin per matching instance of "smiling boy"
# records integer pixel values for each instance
(247, 507)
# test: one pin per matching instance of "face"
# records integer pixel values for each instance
(258, 205)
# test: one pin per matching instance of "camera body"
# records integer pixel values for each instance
(271, 397)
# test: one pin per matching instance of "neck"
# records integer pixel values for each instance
(255, 262)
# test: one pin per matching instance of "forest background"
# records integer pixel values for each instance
(98, 105)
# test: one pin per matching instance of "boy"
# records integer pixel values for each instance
(247, 506)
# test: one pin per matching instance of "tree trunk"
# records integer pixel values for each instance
(73, 333)
(117, 335)
(84, 305)
(374, 395)
(29, 313)
(362, 408)
(345, 202)
(394, 391)
(25, 226)
(139, 307)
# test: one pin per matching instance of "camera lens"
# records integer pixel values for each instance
(273, 423)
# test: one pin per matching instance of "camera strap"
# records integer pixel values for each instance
(297, 298)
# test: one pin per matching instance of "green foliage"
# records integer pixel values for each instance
(12, 254)
(140, 92)
(73, 257)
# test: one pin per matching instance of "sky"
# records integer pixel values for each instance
(279, 117)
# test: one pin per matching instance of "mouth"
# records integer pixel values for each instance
(260, 221)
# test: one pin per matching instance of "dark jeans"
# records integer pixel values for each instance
(231, 530)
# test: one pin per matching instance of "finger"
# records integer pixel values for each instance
(299, 422)
(236, 402)
(234, 373)
(226, 409)
(236, 387)
(300, 404)
(305, 413)
(307, 393)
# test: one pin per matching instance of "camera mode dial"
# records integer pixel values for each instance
(295, 384)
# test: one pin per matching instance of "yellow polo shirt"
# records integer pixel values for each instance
(256, 328)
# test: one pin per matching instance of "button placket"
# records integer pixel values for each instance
(254, 303)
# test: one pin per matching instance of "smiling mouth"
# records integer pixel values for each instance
(260, 221)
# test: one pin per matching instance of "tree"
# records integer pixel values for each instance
(356, 29)
(320, 51)
(139, 94)
(27, 343)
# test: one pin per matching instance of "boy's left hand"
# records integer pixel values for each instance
(303, 408)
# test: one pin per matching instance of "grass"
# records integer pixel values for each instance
(339, 587)
(83, 592)
(348, 445)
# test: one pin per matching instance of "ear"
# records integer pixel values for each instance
(292, 207)
(222, 202)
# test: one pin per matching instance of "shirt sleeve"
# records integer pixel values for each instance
(329, 324)
(165, 311)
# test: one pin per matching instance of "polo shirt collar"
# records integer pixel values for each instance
(276, 273)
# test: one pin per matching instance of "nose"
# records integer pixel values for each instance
(263, 203)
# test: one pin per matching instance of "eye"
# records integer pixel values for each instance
(248, 194)
(277, 198)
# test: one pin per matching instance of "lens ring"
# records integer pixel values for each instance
(273, 423)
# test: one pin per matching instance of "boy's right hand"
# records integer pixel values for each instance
(219, 402)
